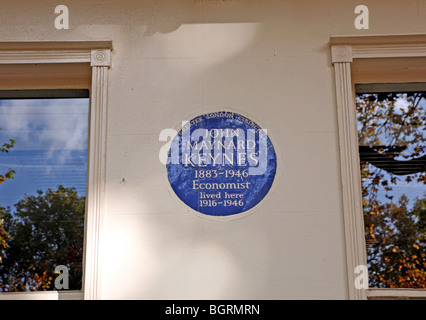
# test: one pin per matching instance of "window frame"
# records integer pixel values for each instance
(345, 50)
(98, 55)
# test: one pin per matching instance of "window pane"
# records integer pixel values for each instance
(42, 194)
(392, 136)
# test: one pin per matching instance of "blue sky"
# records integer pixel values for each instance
(51, 145)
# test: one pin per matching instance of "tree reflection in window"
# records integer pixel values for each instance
(391, 135)
(42, 204)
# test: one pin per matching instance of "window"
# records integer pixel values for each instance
(60, 65)
(370, 60)
(391, 127)
(42, 201)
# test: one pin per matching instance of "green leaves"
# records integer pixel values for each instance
(5, 148)
(7, 175)
(47, 229)
(4, 238)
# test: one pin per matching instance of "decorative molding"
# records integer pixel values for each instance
(96, 182)
(54, 56)
(100, 58)
(389, 51)
(50, 52)
(340, 53)
(47, 45)
(371, 39)
(344, 49)
(350, 172)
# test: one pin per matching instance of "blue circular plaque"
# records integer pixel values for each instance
(221, 163)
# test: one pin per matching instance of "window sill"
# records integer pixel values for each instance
(396, 294)
(42, 295)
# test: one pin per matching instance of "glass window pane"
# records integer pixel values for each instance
(42, 194)
(392, 136)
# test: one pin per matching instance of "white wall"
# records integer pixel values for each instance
(268, 60)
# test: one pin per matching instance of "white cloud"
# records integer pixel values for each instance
(401, 105)
(45, 124)
(51, 139)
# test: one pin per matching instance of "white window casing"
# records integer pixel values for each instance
(370, 58)
(97, 54)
